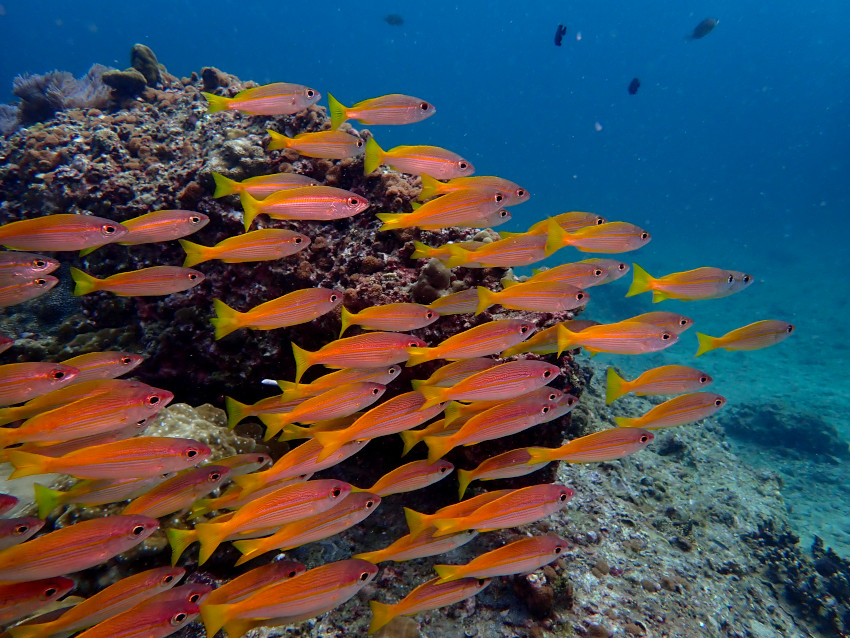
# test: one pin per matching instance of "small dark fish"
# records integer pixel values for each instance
(703, 28)
(394, 20)
(560, 32)
(634, 85)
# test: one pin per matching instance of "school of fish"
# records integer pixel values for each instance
(78, 417)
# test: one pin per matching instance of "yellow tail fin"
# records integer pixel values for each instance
(538, 455)
(236, 411)
(641, 282)
(337, 110)
(210, 536)
(433, 395)
(457, 256)
(226, 320)
(615, 386)
(438, 447)
(418, 355)
(251, 482)
(179, 539)
(216, 102)
(381, 615)
(250, 209)
(330, 442)
(486, 298)
(85, 283)
(451, 413)
(47, 499)
(28, 464)
(557, 237)
(626, 422)
(278, 140)
(274, 424)
(374, 156)
(392, 221)
(89, 251)
(225, 185)
(566, 339)
(347, 319)
(430, 188)
(447, 526)
(464, 477)
(706, 343)
(448, 573)
(215, 617)
(411, 440)
(195, 253)
(416, 521)
(421, 251)
(249, 550)
(302, 361)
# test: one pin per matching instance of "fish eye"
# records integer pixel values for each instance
(520, 192)
(191, 452)
(22, 529)
(335, 492)
(746, 279)
(547, 374)
(57, 375)
(429, 314)
(503, 213)
(310, 93)
(683, 322)
(167, 580)
(523, 330)
(718, 402)
(370, 504)
(334, 297)
(50, 591)
(215, 476)
(730, 279)
(424, 106)
(108, 229)
(194, 598)
(562, 497)
(193, 277)
(292, 574)
(364, 576)
(600, 221)
(412, 344)
(703, 379)
(789, 329)
(41, 283)
(176, 619)
(126, 360)
(359, 143)
(141, 422)
(353, 201)
(644, 235)
(552, 396)
(261, 459)
(572, 401)
(545, 410)
(153, 399)
(665, 336)
(195, 219)
(463, 165)
(621, 266)
(138, 530)
(559, 549)
(598, 272)
(391, 370)
(579, 296)
(498, 198)
(298, 240)
(39, 263)
(375, 391)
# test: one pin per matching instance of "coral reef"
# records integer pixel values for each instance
(42, 96)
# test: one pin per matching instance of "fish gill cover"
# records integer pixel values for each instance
(632, 524)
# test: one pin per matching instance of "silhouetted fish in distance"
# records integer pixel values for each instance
(394, 20)
(703, 28)
(560, 32)
(634, 85)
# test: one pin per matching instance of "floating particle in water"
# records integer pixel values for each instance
(634, 85)
(578, 36)
(560, 32)
(597, 126)
(394, 20)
